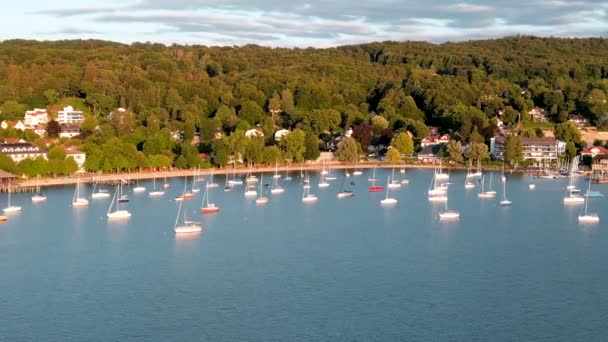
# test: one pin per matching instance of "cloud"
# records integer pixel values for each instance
(71, 31)
(329, 23)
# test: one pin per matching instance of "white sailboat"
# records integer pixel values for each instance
(261, 200)
(448, 214)
(77, 201)
(345, 193)
(394, 183)
(38, 196)
(117, 213)
(573, 197)
(276, 170)
(436, 188)
(234, 180)
(185, 227)
(211, 184)
(357, 172)
(478, 172)
(505, 202)
(208, 207)
(11, 208)
(329, 176)
(306, 182)
(467, 183)
(531, 186)
(276, 188)
(307, 196)
(195, 179)
(587, 217)
(439, 174)
(155, 192)
(486, 194)
(138, 188)
(166, 185)
(250, 190)
(98, 192)
(322, 182)
(122, 198)
(323, 170)
(388, 200)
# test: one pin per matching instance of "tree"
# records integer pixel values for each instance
(271, 155)
(567, 132)
(57, 152)
(220, 152)
(69, 166)
(454, 151)
(393, 156)
(363, 134)
(477, 151)
(570, 149)
(475, 137)
(348, 150)
(379, 123)
(295, 146)
(312, 147)
(513, 150)
(53, 129)
(403, 143)
(251, 112)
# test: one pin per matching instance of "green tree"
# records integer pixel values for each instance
(379, 124)
(478, 151)
(570, 149)
(513, 150)
(57, 152)
(393, 156)
(454, 151)
(220, 152)
(69, 166)
(567, 132)
(295, 146)
(348, 150)
(312, 147)
(271, 154)
(403, 143)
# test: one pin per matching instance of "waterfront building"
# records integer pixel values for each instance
(541, 150)
(69, 115)
(20, 151)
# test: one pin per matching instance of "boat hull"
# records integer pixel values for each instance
(120, 214)
(375, 188)
(210, 210)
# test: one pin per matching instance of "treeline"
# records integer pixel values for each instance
(377, 89)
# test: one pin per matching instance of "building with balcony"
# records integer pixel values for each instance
(35, 117)
(21, 151)
(541, 150)
(70, 116)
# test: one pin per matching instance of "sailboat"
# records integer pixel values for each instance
(439, 175)
(185, 195)
(571, 185)
(98, 192)
(77, 201)
(211, 184)
(573, 197)
(448, 214)
(234, 180)
(117, 213)
(505, 202)
(388, 200)
(467, 183)
(276, 187)
(307, 196)
(227, 186)
(250, 190)
(373, 179)
(194, 189)
(486, 194)
(323, 170)
(155, 192)
(345, 192)
(261, 199)
(39, 196)
(11, 208)
(437, 192)
(166, 185)
(402, 169)
(122, 198)
(394, 183)
(531, 186)
(588, 218)
(478, 172)
(138, 188)
(287, 176)
(329, 176)
(206, 206)
(306, 181)
(322, 182)
(357, 172)
(187, 226)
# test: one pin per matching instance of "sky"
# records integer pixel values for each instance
(316, 23)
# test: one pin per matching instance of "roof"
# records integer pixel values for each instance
(529, 141)
(4, 174)
(20, 148)
(594, 150)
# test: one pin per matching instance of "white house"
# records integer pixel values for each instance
(35, 117)
(69, 131)
(280, 134)
(538, 114)
(253, 133)
(21, 151)
(79, 156)
(69, 115)
(18, 125)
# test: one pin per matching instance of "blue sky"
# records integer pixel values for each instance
(318, 23)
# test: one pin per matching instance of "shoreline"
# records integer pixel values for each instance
(30, 184)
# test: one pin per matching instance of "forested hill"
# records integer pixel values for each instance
(459, 87)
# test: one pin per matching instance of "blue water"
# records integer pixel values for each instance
(335, 270)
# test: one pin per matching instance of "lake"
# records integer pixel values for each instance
(335, 270)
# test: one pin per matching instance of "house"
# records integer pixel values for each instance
(69, 131)
(593, 151)
(537, 114)
(69, 116)
(18, 125)
(21, 151)
(79, 156)
(578, 120)
(280, 134)
(435, 140)
(599, 168)
(35, 117)
(6, 178)
(428, 154)
(253, 133)
(537, 149)
(40, 130)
